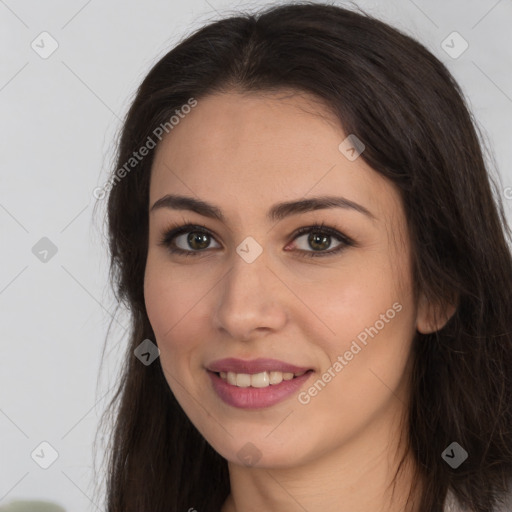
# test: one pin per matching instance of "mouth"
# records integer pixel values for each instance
(256, 384)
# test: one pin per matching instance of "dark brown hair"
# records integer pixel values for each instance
(402, 102)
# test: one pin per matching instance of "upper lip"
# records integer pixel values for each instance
(253, 366)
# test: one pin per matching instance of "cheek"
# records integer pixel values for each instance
(171, 305)
(362, 382)
(371, 321)
(370, 360)
(355, 296)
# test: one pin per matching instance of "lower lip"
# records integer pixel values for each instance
(256, 398)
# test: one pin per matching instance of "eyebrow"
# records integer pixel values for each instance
(276, 213)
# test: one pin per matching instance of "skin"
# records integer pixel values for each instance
(245, 153)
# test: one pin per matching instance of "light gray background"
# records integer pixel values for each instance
(59, 117)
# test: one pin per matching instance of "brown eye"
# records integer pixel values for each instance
(319, 239)
(189, 240)
(198, 241)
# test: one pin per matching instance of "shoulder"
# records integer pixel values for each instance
(452, 505)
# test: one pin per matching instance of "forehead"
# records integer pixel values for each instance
(249, 151)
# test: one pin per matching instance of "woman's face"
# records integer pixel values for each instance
(250, 304)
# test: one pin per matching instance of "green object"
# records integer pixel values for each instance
(31, 506)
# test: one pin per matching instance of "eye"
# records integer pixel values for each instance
(319, 238)
(187, 240)
(192, 239)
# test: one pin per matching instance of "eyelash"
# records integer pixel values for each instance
(175, 230)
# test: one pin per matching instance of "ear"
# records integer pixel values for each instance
(432, 317)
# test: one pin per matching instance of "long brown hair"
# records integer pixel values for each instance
(402, 102)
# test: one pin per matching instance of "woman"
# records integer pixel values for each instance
(302, 222)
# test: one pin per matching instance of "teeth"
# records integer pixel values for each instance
(243, 380)
(257, 380)
(276, 377)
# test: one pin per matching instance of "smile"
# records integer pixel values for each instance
(256, 384)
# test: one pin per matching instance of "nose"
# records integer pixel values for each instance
(251, 301)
